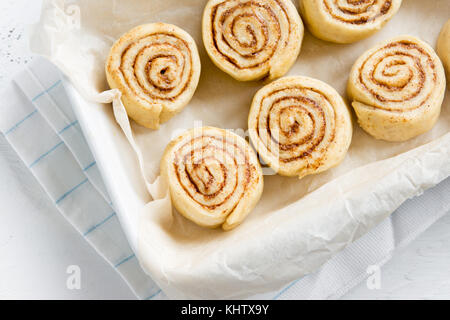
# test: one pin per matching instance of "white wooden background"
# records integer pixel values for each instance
(37, 244)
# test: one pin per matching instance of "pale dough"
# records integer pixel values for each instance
(300, 126)
(347, 21)
(214, 177)
(157, 68)
(252, 39)
(397, 89)
(443, 47)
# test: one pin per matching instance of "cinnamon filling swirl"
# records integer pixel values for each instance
(214, 177)
(157, 68)
(357, 11)
(399, 72)
(347, 21)
(262, 32)
(397, 89)
(246, 35)
(296, 124)
(209, 173)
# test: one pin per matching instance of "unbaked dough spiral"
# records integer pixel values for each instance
(443, 47)
(213, 175)
(347, 21)
(300, 126)
(397, 89)
(252, 39)
(156, 67)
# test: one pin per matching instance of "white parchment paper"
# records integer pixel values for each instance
(298, 224)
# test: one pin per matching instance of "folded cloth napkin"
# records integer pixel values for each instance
(37, 120)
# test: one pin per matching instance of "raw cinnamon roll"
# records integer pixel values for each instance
(213, 175)
(347, 21)
(156, 67)
(300, 126)
(252, 39)
(443, 47)
(397, 89)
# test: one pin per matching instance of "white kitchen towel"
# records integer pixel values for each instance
(37, 119)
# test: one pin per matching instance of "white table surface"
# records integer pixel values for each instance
(37, 244)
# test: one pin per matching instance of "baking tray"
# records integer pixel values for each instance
(120, 170)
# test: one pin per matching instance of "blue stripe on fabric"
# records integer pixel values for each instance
(99, 224)
(70, 191)
(20, 122)
(153, 295)
(90, 166)
(124, 260)
(68, 126)
(285, 289)
(46, 91)
(45, 154)
(54, 85)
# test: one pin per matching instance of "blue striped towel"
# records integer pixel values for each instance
(39, 123)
